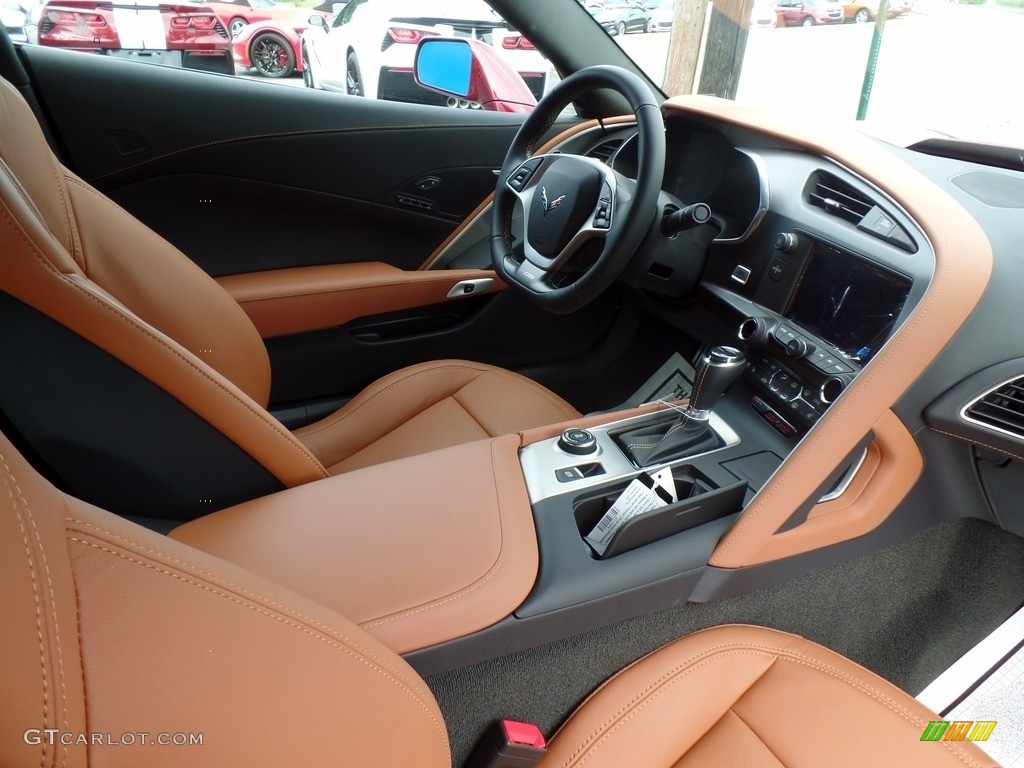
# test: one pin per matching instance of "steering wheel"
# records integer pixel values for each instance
(582, 221)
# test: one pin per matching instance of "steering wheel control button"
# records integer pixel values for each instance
(518, 180)
(577, 441)
(603, 217)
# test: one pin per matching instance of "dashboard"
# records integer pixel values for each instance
(812, 266)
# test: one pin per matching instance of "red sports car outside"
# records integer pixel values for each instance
(177, 34)
(270, 47)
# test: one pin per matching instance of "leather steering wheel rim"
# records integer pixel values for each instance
(632, 211)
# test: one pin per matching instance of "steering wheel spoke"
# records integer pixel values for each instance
(566, 201)
(570, 201)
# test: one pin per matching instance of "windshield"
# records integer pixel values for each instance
(932, 68)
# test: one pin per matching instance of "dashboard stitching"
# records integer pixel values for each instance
(972, 441)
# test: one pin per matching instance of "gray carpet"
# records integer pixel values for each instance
(906, 612)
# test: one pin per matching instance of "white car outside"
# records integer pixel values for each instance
(368, 48)
(13, 16)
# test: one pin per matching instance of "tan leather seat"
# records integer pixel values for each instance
(141, 314)
(118, 643)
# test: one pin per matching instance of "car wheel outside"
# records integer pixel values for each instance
(863, 16)
(353, 76)
(236, 25)
(307, 76)
(651, 26)
(620, 29)
(272, 56)
(807, 22)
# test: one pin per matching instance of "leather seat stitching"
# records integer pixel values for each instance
(53, 599)
(756, 735)
(20, 189)
(678, 672)
(138, 326)
(469, 589)
(185, 259)
(309, 458)
(455, 397)
(129, 320)
(338, 418)
(38, 602)
(72, 240)
(227, 583)
(321, 636)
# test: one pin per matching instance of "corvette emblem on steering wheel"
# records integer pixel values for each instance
(549, 207)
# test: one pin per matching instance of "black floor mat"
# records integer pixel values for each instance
(906, 612)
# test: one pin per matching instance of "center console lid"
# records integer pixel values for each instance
(417, 551)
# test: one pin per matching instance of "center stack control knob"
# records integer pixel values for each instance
(799, 347)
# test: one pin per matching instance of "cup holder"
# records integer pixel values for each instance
(699, 501)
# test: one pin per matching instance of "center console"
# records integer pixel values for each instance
(820, 314)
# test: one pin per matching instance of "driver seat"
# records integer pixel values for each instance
(141, 384)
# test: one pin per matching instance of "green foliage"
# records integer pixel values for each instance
(1011, 3)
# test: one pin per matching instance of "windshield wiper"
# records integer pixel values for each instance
(985, 154)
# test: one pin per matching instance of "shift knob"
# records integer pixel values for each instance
(719, 368)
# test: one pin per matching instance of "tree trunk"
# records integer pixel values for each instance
(727, 43)
(684, 46)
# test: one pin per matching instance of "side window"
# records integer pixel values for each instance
(354, 47)
(347, 13)
(369, 50)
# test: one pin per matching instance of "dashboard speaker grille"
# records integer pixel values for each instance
(838, 198)
(1002, 408)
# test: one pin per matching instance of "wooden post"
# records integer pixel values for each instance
(727, 43)
(684, 46)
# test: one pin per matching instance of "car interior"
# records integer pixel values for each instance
(320, 415)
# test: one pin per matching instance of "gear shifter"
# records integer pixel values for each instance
(719, 368)
(658, 443)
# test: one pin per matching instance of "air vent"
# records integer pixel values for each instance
(838, 198)
(605, 150)
(1002, 408)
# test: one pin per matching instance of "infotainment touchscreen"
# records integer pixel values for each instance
(849, 302)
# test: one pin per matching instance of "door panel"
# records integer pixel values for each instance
(226, 168)
(246, 177)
